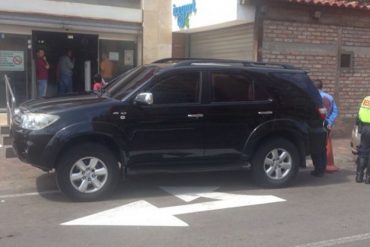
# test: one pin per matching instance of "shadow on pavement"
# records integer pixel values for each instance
(304, 178)
(46, 182)
(147, 185)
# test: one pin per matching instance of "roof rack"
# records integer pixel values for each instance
(173, 60)
(202, 61)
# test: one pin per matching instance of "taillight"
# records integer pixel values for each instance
(322, 111)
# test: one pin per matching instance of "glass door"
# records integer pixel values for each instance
(15, 62)
(116, 57)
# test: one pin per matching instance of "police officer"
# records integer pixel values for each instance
(364, 148)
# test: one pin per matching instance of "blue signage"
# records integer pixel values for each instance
(182, 14)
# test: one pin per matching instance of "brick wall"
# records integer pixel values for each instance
(355, 84)
(315, 46)
(286, 42)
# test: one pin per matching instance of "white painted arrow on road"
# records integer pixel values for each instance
(142, 213)
(189, 194)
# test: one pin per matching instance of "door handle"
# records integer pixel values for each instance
(265, 113)
(195, 115)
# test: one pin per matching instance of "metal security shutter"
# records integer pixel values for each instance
(228, 43)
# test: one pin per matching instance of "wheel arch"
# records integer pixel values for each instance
(101, 139)
(290, 130)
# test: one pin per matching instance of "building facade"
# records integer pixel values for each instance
(215, 29)
(329, 39)
(125, 32)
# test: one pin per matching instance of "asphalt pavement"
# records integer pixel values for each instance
(194, 209)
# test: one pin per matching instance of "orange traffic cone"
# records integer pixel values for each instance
(330, 167)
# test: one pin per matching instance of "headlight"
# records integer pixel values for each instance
(37, 121)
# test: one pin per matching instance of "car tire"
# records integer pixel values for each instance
(276, 163)
(87, 172)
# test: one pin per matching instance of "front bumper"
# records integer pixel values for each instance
(30, 147)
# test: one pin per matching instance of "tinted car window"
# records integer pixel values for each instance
(260, 93)
(177, 89)
(129, 81)
(227, 87)
(302, 81)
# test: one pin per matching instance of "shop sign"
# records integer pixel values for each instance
(11, 60)
(182, 13)
(114, 56)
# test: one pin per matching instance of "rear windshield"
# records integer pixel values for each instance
(303, 82)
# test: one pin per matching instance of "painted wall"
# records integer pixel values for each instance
(69, 9)
(157, 33)
(212, 14)
(117, 3)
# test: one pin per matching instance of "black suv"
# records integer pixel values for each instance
(175, 114)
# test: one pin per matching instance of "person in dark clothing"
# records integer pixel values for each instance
(363, 162)
(319, 160)
(66, 66)
(42, 67)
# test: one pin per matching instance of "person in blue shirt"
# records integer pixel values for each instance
(319, 160)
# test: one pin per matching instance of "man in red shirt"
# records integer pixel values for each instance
(42, 67)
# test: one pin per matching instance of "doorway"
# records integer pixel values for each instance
(56, 44)
(15, 63)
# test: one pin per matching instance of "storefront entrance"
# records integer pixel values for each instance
(56, 44)
(92, 52)
(15, 62)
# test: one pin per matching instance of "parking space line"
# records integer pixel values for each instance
(338, 241)
(29, 194)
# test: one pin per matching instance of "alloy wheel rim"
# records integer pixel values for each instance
(88, 175)
(277, 164)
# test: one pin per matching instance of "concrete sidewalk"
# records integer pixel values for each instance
(18, 177)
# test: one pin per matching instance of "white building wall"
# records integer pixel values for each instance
(69, 9)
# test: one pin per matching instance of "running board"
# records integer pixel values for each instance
(144, 169)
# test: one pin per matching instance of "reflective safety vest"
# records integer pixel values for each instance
(364, 113)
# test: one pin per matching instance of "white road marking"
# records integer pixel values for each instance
(142, 213)
(139, 213)
(338, 241)
(29, 194)
(188, 194)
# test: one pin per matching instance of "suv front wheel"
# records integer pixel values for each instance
(87, 172)
(276, 163)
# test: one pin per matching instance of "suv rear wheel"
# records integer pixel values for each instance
(276, 163)
(87, 172)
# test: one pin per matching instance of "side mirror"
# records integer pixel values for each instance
(144, 99)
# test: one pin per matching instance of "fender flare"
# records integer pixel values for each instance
(84, 131)
(294, 131)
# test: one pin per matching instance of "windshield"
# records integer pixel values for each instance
(129, 81)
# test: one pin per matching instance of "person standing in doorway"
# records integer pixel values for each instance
(42, 67)
(106, 67)
(320, 159)
(66, 65)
